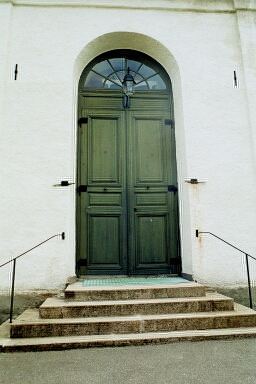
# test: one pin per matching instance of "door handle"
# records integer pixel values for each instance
(81, 188)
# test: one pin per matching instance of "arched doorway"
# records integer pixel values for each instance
(127, 205)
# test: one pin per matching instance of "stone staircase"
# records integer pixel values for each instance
(129, 315)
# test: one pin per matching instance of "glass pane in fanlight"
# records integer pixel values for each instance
(133, 65)
(121, 75)
(138, 79)
(156, 82)
(94, 80)
(112, 85)
(113, 81)
(141, 86)
(117, 78)
(117, 63)
(146, 71)
(103, 68)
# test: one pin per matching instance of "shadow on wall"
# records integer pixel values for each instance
(240, 295)
(21, 302)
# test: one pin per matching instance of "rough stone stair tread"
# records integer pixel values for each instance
(64, 342)
(76, 291)
(31, 316)
(53, 302)
(58, 308)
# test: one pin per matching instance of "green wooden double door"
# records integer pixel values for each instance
(127, 211)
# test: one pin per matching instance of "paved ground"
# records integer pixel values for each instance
(208, 362)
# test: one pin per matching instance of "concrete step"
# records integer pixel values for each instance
(54, 308)
(76, 291)
(72, 342)
(29, 324)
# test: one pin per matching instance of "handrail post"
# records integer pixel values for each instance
(12, 293)
(246, 259)
(249, 280)
(14, 267)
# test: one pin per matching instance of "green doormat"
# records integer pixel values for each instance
(134, 280)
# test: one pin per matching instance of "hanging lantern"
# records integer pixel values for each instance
(128, 88)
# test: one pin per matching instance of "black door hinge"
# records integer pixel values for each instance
(168, 122)
(82, 120)
(82, 263)
(172, 188)
(81, 188)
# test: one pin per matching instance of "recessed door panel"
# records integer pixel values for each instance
(105, 199)
(151, 241)
(103, 149)
(104, 241)
(149, 150)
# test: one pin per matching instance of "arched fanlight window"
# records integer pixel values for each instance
(108, 72)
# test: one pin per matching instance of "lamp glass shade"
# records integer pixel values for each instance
(129, 84)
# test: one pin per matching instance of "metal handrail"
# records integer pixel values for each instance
(246, 260)
(14, 267)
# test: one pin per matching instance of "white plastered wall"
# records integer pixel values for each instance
(214, 133)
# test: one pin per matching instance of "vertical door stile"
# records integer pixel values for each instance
(82, 201)
(128, 188)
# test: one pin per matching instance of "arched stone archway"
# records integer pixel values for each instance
(133, 41)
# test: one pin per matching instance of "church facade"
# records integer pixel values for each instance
(131, 127)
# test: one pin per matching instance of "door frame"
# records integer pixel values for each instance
(176, 263)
